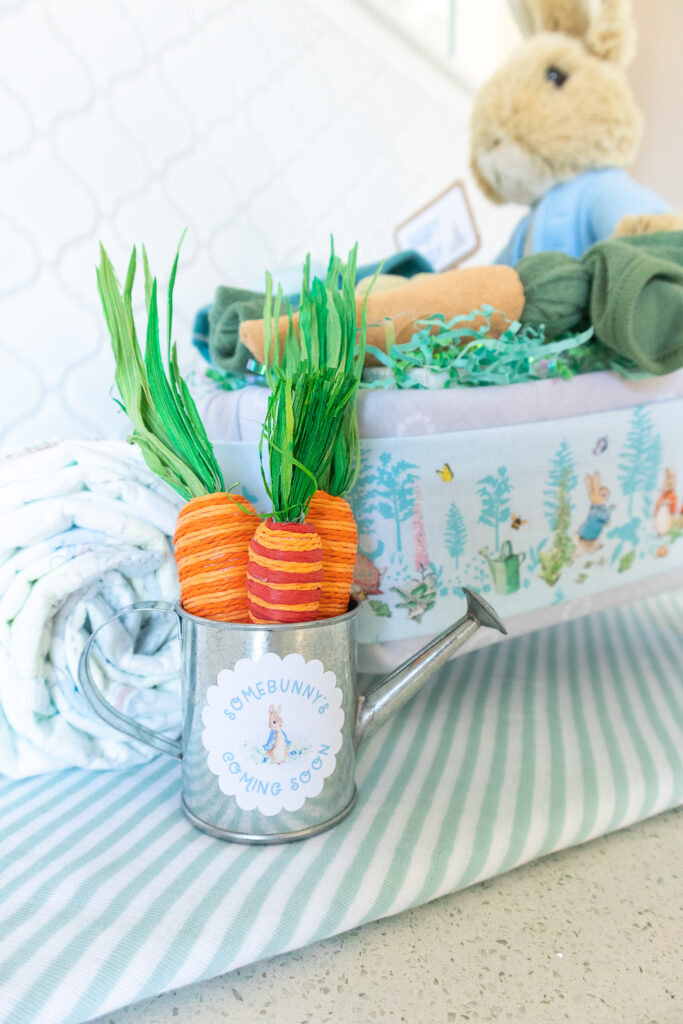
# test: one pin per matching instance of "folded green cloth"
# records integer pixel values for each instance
(230, 307)
(630, 289)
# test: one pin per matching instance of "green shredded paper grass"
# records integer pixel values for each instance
(460, 355)
(452, 353)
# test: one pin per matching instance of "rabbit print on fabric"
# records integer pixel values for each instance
(665, 507)
(556, 127)
(587, 538)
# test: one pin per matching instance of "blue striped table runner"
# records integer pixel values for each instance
(107, 895)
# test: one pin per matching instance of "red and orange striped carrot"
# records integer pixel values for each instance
(329, 512)
(324, 437)
(285, 569)
(284, 573)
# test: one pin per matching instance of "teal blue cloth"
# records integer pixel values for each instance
(576, 214)
(403, 264)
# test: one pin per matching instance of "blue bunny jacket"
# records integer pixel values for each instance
(573, 216)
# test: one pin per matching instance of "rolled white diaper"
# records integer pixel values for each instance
(85, 530)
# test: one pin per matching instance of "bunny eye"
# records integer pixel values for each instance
(556, 75)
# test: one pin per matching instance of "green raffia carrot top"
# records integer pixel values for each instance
(230, 567)
(214, 527)
(311, 434)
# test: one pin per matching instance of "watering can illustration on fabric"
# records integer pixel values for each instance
(504, 568)
(272, 718)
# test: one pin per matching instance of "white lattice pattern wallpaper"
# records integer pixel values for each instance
(260, 125)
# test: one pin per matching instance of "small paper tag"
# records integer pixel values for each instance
(272, 728)
(443, 231)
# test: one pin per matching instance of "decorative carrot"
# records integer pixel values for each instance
(213, 528)
(330, 341)
(284, 572)
(285, 569)
(333, 520)
(307, 410)
(211, 543)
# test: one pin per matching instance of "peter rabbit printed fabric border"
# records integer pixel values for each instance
(530, 515)
(108, 895)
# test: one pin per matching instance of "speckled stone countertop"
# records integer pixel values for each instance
(591, 935)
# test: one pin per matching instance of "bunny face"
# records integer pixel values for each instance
(554, 110)
(597, 492)
(274, 717)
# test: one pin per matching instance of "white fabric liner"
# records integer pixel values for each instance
(238, 415)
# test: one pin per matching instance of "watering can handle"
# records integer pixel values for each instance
(104, 709)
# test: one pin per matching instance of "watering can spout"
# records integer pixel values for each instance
(397, 689)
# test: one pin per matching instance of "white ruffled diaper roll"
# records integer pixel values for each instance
(85, 529)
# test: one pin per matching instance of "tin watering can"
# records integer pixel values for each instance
(272, 719)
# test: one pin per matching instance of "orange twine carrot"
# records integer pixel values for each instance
(284, 573)
(332, 519)
(211, 546)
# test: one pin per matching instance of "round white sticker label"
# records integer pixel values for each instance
(272, 728)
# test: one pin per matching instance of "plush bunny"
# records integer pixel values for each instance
(555, 127)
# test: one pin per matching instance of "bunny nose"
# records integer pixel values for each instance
(496, 142)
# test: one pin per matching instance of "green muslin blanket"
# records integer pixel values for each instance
(630, 289)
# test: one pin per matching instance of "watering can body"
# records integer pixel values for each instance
(270, 713)
(272, 719)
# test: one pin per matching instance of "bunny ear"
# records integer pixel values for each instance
(611, 33)
(521, 13)
(606, 26)
(569, 16)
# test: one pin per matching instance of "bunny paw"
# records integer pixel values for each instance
(648, 223)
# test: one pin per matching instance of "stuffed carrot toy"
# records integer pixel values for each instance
(394, 316)
(214, 527)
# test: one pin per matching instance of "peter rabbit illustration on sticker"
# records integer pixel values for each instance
(587, 537)
(277, 745)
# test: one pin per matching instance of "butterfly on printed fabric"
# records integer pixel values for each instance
(517, 521)
(446, 473)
